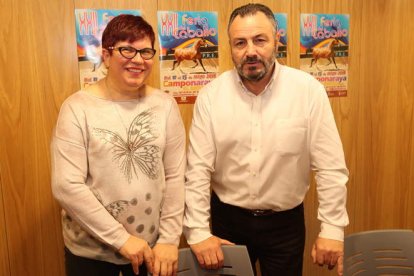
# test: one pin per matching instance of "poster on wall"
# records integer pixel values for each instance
(90, 25)
(324, 43)
(281, 19)
(188, 52)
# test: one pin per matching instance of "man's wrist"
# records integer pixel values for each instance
(196, 235)
(333, 232)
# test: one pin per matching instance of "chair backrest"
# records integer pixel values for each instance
(236, 263)
(379, 252)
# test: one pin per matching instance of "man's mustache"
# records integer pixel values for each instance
(252, 59)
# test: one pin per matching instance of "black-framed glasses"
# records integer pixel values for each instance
(130, 52)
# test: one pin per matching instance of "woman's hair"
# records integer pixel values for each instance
(126, 27)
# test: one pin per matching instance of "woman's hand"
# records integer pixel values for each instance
(166, 260)
(138, 251)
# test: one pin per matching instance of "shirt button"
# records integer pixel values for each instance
(254, 174)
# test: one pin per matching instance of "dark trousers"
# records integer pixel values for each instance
(79, 266)
(277, 240)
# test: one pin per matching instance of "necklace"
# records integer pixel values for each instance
(116, 108)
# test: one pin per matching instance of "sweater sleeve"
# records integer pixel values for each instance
(174, 160)
(69, 157)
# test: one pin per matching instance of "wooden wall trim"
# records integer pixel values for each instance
(4, 248)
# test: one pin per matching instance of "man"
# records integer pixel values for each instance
(257, 133)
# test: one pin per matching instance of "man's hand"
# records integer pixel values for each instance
(138, 251)
(329, 252)
(166, 260)
(209, 253)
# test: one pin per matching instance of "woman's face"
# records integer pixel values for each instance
(128, 74)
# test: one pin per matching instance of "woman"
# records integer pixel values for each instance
(118, 162)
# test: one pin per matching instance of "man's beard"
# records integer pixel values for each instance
(256, 77)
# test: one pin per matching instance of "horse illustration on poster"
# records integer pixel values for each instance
(192, 53)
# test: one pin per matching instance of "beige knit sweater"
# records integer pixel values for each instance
(118, 170)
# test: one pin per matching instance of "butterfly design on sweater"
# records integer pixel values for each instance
(117, 207)
(136, 152)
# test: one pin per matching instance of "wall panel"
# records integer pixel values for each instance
(345, 110)
(385, 132)
(375, 121)
(206, 5)
(35, 65)
(198, 5)
(405, 128)
(4, 249)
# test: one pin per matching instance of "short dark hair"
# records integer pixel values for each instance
(252, 9)
(126, 27)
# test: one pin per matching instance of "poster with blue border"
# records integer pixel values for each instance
(281, 55)
(90, 24)
(324, 44)
(188, 52)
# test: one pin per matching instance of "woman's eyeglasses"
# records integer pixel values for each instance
(130, 52)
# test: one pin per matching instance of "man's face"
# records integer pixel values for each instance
(253, 46)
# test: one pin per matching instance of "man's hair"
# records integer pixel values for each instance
(252, 9)
(126, 27)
